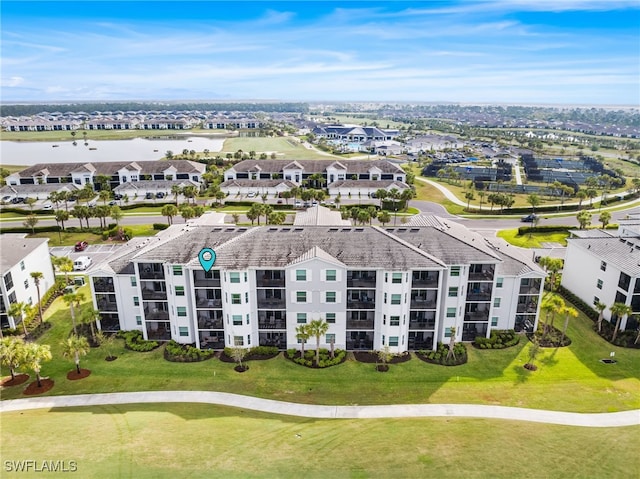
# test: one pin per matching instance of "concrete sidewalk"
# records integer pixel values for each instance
(617, 419)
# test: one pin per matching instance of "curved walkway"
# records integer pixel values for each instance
(616, 419)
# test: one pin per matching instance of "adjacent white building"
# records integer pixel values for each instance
(19, 257)
(604, 266)
(405, 288)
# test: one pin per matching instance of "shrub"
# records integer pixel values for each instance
(186, 353)
(160, 226)
(440, 355)
(499, 339)
(133, 341)
(309, 358)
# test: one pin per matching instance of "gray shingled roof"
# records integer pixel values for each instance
(15, 247)
(623, 252)
(245, 183)
(111, 167)
(515, 261)
(319, 215)
(318, 166)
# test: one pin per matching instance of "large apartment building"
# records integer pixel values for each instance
(404, 287)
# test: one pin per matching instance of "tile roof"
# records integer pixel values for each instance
(317, 166)
(319, 215)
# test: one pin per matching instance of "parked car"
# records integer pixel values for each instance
(117, 196)
(81, 245)
(6, 198)
(92, 204)
(148, 196)
(48, 206)
(160, 194)
(113, 202)
(529, 218)
(251, 194)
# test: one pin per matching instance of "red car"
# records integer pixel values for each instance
(81, 245)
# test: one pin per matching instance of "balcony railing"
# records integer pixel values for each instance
(103, 285)
(149, 273)
(154, 294)
(355, 304)
(269, 282)
(207, 283)
(271, 303)
(207, 323)
(208, 303)
(212, 340)
(425, 281)
(416, 325)
(158, 331)
(527, 308)
(477, 316)
(421, 303)
(530, 290)
(359, 345)
(483, 275)
(272, 323)
(360, 323)
(104, 305)
(156, 314)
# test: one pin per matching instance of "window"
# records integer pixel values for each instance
(393, 340)
(386, 277)
(599, 284)
(138, 320)
(396, 299)
(494, 321)
(21, 265)
(234, 277)
(301, 275)
(246, 297)
(183, 331)
(455, 271)
(383, 339)
(301, 296)
(8, 281)
(237, 319)
(29, 301)
(331, 296)
(331, 275)
(248, 319)
(603, 265)
(453, 292)
(246, 278)
(177, 270)
(385, 298)
(394, 320)
(499, 282)
(624, 282)
(238, 340)
(301, 318)
(330, 338)
(179, 290)
(249, 339)
(451, 312)
(182, 311)
(136, 301)
(134, 282)
(447, 332)
(235, 298)
(331, 318)
(26, 284)
(396, 278)
(496, 302)
(596, 300)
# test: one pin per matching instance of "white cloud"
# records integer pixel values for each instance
(12, 82)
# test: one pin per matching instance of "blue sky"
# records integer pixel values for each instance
(483, 51)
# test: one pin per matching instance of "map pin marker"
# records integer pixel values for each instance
(207, 257)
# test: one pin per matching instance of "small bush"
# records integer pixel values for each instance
(440, 355)
(160, 226)
(185, 353)
(133, 341)
(499, 339)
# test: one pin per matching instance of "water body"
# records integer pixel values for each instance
(136, 149)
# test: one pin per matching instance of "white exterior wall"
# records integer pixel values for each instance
(457, 302)
(171, 281)
(383, 327)
(243, 309)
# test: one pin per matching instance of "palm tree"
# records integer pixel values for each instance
(169, 211)
(619, 310)
(533, 200)
(116, 214)
(302, 333)
(176, 190)
(37, 276)
(384, 217)
(553, 265)
(600, 307)
(90, 317)
(73, 300)
(604, 218)
(381, 194)
(406, 196)
(551, 306)
(452, 343)
(16, 311)
(75, 346)
(12, 353)
(104, 195)
(469, 196)
(394, 194)
(584, 218)
(318, 328)
(61, 217)
(568, 312)
(35, 355)
(481, 194)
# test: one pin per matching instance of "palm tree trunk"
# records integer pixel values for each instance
(24, 326)
(39, 379)
(77, 362)
(317, 350)
(615, 331)
(73, 320)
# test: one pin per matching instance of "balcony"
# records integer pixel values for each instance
(109, 322)
(204, 302)
(271, 299)
(150, 271)
(212, 340)
(479, 292)
(530, 290)
(106, 302)
(479, 315)
(103, 285)
(524, 323)
(158, 331)
(419, 340)
(424, 279)
(360, 341)
(361, 299)
(471, 331)
(210, 323)
(425, 324)
(156, 311)
(360, 323)
(528, 307)
(270, 278)
(481, 272)
(206, 280)
(423, 299)
(279, 340)
(151, 294)
(361, 279)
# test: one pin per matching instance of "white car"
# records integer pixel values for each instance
(81, 263)
(251, 195)
(48, 206)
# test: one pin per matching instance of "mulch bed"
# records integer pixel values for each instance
(372, 357)
(458, 361)
(249, 357)
(531, 367)
(111, 358)
(33, 389)
(73, 375)
(19, 379)
(241, 369)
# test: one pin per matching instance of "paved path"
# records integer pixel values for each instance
(617, 419)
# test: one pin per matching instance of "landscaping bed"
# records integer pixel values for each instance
(74, 375)
(372, 357)
(33, 389)
(186, 353)
(499, 339)
(309, 358)
(19, 379)
(259, 353)
(439, 356)
(552, 339)
(134, 342)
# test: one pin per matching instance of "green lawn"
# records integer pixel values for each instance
(66, 238)
(284, 147)
(195, 440)
(533, 240)
(569, 379)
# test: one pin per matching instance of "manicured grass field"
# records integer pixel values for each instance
(569, 379)
(71, 238)
(284, 147)
(194, 440)
(533, 240)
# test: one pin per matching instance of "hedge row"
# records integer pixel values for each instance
(500, 339)
(339, 355)
(523, 230)
(134, 341)
(185, 353)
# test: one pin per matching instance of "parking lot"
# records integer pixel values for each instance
(97, 252)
